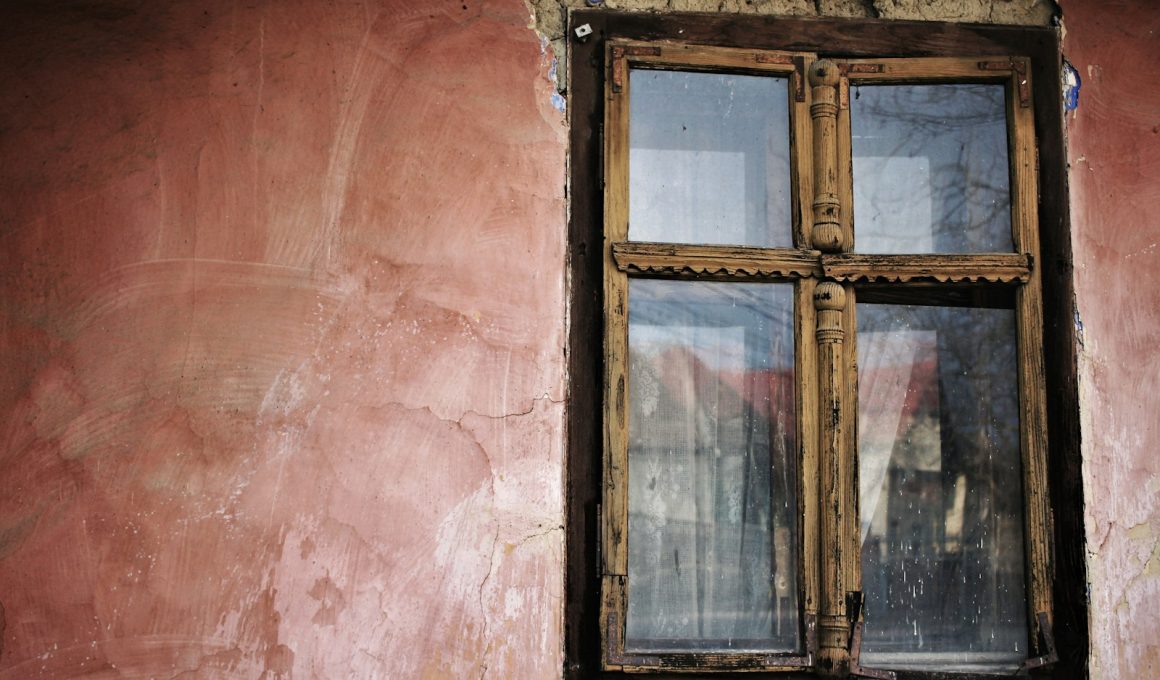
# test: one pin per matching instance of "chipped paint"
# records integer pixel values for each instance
(283, 321)
(1071, 85)
(1112, 149)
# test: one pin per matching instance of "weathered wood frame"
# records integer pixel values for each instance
(623, 257)
(588, 262)
(1016, 269)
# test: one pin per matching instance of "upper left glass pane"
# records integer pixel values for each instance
(709, 159)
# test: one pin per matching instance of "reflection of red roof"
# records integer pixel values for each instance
(879, 387)
(773, 389)
(763, 390)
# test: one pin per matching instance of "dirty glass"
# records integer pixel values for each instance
(711, 473)
(940, 488)
(930, 168)
(708, 158)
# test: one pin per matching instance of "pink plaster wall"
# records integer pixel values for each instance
(1114, 151)
(281, 315)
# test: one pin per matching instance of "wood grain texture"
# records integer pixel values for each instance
(1032, 380)
(826, 233)
(993, 268)
(615, 500)
(833, 628)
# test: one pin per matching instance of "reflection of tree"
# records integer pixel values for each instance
(943, 564)
(960, 132)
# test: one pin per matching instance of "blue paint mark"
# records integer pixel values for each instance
(1071, 85)
(1078, 328)
(558, 101)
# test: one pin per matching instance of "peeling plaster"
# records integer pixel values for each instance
(285, 341)
(550, 17)
(1112, 149)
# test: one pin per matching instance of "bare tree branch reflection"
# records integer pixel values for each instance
(930, 168)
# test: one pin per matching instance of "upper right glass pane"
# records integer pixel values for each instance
(930, 168)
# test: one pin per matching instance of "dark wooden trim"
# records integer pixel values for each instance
(584, 356)
(834, 38)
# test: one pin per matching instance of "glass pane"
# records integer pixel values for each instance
(930, 169)
(940, 488)
(708, 158)
(711, 449)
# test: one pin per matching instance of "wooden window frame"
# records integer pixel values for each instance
(602, 259)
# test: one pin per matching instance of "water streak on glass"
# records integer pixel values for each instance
(930, 169)
(709, 158)
(940, 489)
(712, 535)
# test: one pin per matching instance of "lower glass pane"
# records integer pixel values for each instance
(712, 539)
(940, 489)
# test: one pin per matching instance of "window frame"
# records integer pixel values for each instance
(619, 39)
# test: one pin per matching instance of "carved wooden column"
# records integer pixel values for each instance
(833, 626)
(830, 302)
(827, 230)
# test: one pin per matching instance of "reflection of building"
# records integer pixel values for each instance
(942, 552)
(711, 525)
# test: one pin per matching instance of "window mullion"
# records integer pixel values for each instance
(838, 562)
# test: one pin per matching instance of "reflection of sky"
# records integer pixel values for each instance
(930, 168)
(729, 326)
(709, 158)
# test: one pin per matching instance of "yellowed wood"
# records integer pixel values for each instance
(845, 171)
(802, 154)
(826, 233)
(713, 261)
(992, 267)
(613, 604)
(850, 534)
(615, 499)
(807, 408)
(1029, 319)
(926, 68)
(658, 54)
(833, 627)
(1024, 175)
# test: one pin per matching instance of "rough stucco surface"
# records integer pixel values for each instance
(281, 318)
(551, 16)
(1114, 153)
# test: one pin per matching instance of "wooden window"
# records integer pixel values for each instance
(823, 419)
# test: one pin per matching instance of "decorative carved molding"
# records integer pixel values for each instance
(827, 230)
(835, 480)
(722, 261)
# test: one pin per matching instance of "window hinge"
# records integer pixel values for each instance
(614, 646)
(619, 52)
(846, 68)
(799, 70)
(854, 614)
(1019, 68)
(1046, 647)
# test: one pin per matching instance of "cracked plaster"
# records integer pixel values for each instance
(284, 378)
(282, 314)
(1113, 146)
